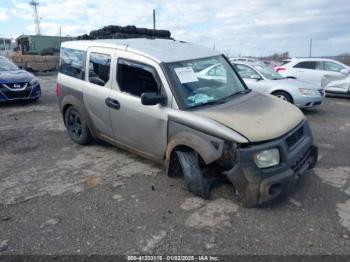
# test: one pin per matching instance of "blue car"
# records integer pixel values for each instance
(17, 84)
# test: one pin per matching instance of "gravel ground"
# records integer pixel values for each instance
(57, 197)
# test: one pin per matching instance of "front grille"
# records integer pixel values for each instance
(295, 137)
(301, 161)
(15, 94)
(322, 92)
(16, 86)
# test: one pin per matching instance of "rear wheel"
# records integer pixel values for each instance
(77, 127)
(284, 96)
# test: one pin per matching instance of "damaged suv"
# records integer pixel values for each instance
(151, 97)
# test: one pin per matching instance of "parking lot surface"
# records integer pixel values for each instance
(57, 197)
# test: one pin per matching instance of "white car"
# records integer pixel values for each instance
(312, 69)
(262, 78)
(214, 72)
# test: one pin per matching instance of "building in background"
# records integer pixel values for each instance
(6, 47)
(40, 44)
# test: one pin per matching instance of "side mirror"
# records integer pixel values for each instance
(150, 99)
(345, 71)
(256, 77)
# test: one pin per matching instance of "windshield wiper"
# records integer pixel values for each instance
(242, 92)
(217, 102)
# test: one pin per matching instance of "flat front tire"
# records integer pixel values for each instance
(77, 127)
(196, 182)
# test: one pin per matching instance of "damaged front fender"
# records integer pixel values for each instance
(209, 148)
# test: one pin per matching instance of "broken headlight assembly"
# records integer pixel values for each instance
(267, 158)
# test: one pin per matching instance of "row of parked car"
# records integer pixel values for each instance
(302, 81)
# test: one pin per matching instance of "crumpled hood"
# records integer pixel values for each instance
(256, 116)
(15, 76)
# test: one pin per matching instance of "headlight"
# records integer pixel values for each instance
(34, 81)
(267, 158)
(308, 92)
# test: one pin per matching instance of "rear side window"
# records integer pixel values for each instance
(308, 65)
(72, 62)
(245, 71)
(136, 79)
(331, 66)
(217, 71)
(99, 68)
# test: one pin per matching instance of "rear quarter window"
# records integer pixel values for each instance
(72, 62)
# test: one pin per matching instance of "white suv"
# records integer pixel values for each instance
(312, 69)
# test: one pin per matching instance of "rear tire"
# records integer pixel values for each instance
(284, 96)
(77, 127)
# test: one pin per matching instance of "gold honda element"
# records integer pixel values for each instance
(168, 101)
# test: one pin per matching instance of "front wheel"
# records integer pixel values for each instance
(284, 96)
(77, 127)
(196, 182)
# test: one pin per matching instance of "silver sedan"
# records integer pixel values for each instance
(261, 78)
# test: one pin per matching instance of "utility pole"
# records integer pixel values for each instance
(35, 5)
(310, 48)
(60, 35)
(4, 42)
(154, 19)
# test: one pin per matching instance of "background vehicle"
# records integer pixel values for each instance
(264, 79)
(312, 69)
(242, 59)
(145, 96)
(17, 84)
(336, 86)
(216, 72)
(272, 64)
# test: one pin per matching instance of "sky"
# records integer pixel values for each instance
(235, 27)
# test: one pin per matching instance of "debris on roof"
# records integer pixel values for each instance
(123, 32)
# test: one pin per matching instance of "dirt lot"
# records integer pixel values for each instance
(57, 197)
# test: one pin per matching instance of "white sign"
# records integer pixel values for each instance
(186, 74)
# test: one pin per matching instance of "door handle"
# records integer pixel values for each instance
(112, 103)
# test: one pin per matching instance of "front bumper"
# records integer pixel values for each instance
(310, 101)
(260, 186)
(29, 93)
